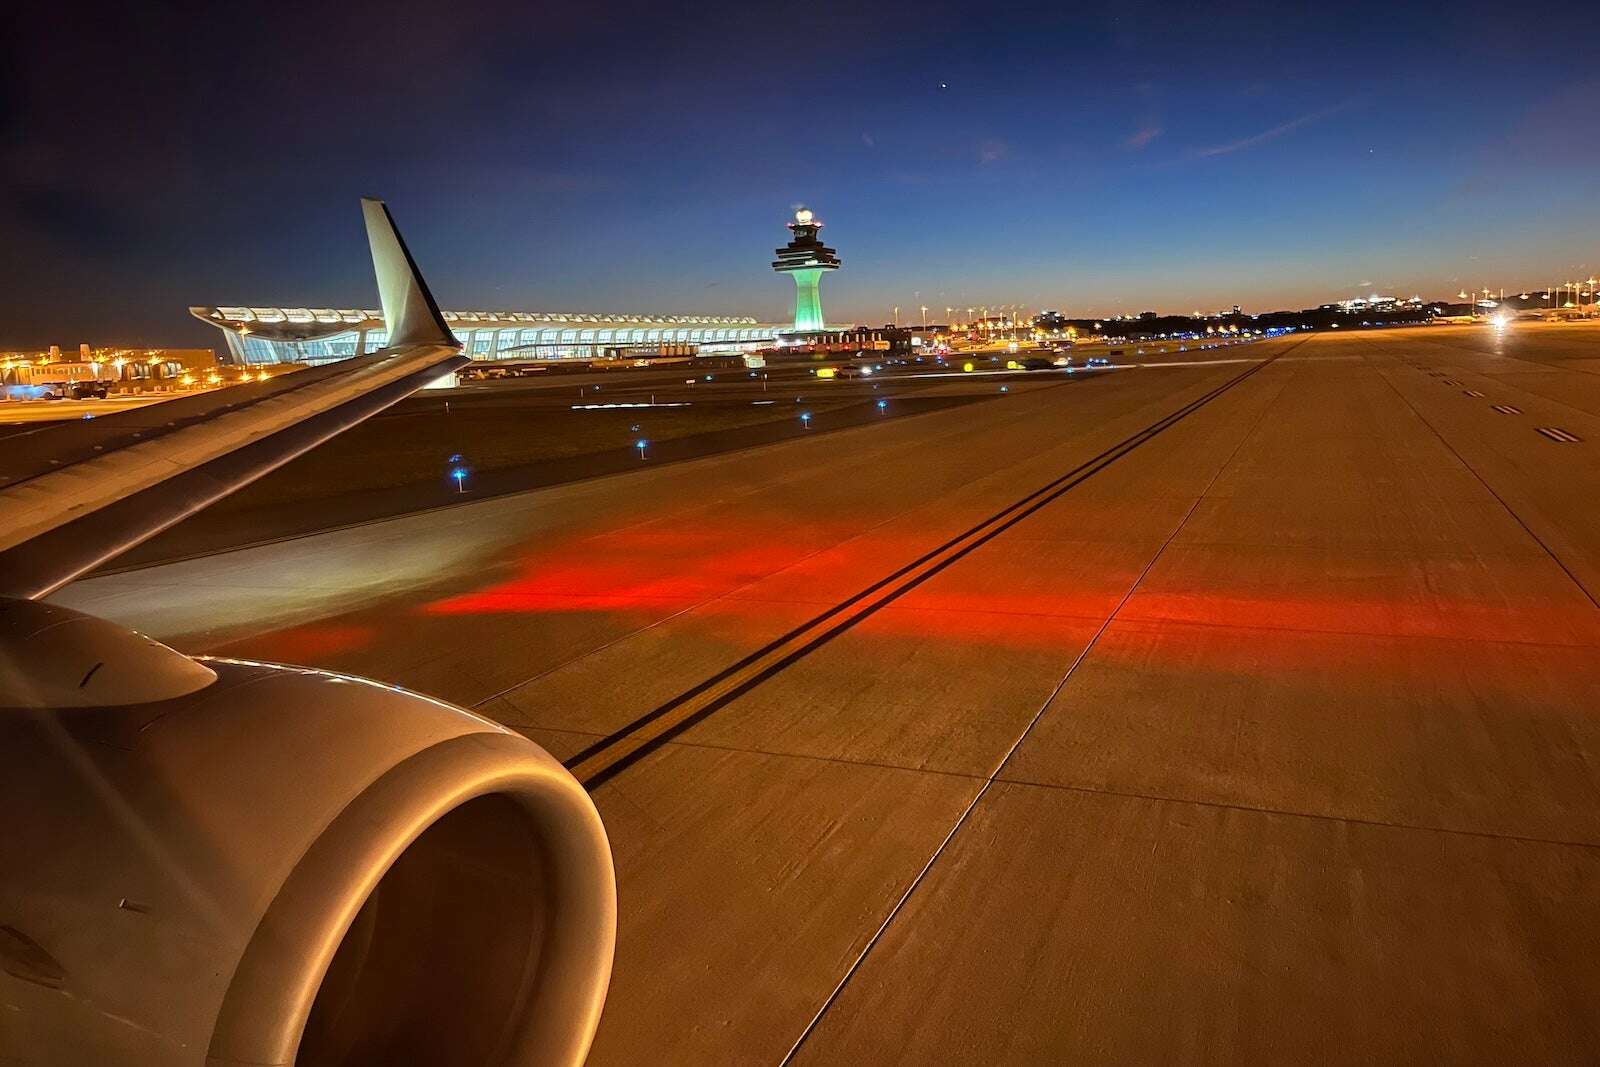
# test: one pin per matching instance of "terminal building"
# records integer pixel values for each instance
(258, 335)
(267, 335)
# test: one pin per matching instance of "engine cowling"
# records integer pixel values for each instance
(254, 864)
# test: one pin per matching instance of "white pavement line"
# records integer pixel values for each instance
(1470, 469)
(1195, 362)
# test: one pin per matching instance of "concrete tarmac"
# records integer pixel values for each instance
(1238, 707)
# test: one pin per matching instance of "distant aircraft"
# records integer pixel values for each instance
(211, 861)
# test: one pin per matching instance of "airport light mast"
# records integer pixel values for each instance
(805, 257)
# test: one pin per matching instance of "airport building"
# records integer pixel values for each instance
(805, 258)
(265, 335)
(258, 335)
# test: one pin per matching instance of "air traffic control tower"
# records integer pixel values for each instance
(806, 258)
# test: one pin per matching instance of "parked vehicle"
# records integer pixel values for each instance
(53, 381)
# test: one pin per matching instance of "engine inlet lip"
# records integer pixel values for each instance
(269, 999)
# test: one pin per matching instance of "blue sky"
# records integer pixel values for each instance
(1095, 159)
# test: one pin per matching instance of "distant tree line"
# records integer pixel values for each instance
(1310, 318)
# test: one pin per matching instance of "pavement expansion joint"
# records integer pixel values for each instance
(1288, 813)
(633, 742)
(814, 757)
(1023, 735)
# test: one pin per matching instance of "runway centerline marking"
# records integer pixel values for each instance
(619, 750)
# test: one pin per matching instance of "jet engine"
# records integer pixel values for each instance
(210, 861)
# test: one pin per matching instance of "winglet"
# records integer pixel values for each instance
(408, 308)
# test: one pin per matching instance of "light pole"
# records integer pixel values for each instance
(924, 316)
(897, 316)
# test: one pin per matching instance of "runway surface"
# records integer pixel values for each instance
(1242, 710)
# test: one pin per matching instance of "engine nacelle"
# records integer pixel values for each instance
(220, 862)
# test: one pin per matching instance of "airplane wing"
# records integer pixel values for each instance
(74, 496)
(324, 873)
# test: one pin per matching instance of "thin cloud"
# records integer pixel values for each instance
(1273, 134)
(1141, 137)
(992, 151)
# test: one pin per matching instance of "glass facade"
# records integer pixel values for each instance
(322, 335)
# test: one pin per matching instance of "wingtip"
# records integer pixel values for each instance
(409, 309)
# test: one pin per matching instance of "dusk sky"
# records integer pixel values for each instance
(602, 157)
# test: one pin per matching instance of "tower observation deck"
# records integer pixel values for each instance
(806, 258)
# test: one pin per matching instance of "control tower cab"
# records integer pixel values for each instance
(806, 258)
